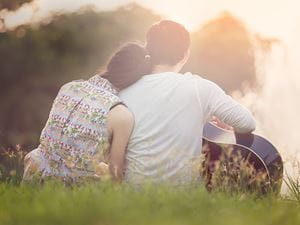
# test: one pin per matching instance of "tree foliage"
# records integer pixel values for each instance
(12, 4)
(36, 60)
(223, 52)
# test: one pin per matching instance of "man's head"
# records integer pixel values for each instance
(168, 43)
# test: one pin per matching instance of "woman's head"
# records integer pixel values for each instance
(128, 65)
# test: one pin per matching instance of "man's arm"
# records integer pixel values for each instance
(120, 125)
(225, 108)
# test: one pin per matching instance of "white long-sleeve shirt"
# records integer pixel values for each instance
(170, 111)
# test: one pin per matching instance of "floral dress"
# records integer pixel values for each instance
(75, 140)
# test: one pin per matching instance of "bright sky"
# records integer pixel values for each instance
(270, 17)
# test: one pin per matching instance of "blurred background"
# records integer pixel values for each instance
(250, 48)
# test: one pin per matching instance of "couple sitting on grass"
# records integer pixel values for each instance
(140, 121)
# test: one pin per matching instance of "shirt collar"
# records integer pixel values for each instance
(102, 83)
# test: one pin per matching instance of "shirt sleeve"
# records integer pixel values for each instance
(215, 102)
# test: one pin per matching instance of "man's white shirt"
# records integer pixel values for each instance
(170, 110)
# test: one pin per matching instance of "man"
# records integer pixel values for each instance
(170, 110)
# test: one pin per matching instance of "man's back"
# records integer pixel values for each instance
(170, 110)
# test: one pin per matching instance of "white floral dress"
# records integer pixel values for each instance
(75, 140)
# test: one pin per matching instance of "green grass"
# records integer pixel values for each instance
(97, 204)
(108, 204)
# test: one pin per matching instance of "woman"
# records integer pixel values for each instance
(88, 126)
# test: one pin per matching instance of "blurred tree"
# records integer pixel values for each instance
(36, 60)
(12, 4)
(222, 51)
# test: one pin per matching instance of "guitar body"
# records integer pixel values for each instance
(256, 150)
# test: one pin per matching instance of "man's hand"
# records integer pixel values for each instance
(221, 124)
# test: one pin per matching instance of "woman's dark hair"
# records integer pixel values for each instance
(128, 65)
(167, 43)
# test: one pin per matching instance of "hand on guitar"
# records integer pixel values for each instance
(221, 124)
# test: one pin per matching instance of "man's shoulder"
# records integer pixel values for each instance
(199, 79)
(204, 87)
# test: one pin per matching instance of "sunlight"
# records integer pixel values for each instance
(273, 18)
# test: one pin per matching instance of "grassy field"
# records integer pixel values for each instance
(110, 204)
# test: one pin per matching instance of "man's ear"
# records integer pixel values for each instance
(187, 56)
(184, 60)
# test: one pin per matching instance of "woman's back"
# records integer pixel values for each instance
(75, 138)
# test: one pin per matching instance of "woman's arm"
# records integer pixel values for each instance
(120, 124)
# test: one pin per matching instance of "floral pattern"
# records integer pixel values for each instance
(75, 140)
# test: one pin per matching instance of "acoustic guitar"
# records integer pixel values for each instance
(257, 151)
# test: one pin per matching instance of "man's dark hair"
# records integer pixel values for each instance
(167, 42)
